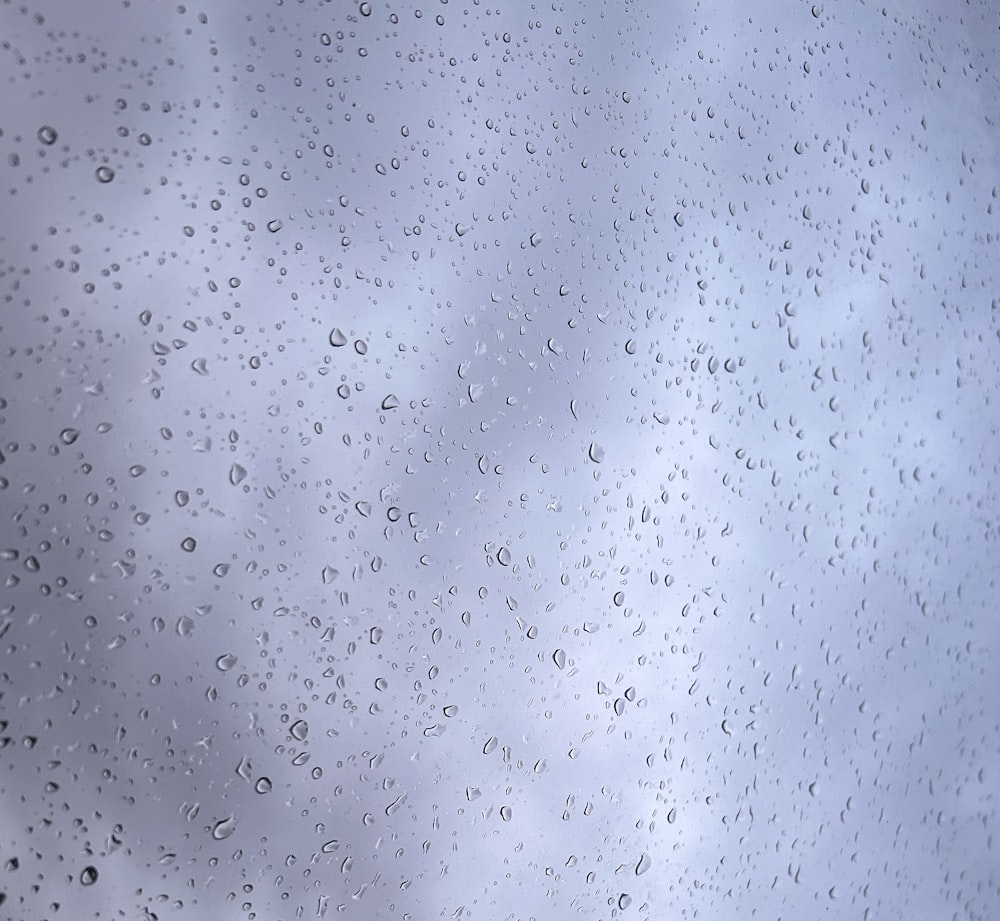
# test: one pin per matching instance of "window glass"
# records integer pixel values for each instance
(498, 460)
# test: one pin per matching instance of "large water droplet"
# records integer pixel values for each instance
(223, 828)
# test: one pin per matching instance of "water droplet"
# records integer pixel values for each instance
(188, 544)
(503, 556)
(47, 134)
(299, 730)
(224, 828)
(596, 453)
(643, 865)
(559, 657)
(337, 338)
(624, 900)
(225, 662)
(263, 785)
(237, 474)
(505, 813)
(68, 436)
(390, 402)
(490, 746)
(105, 174)
(672, 815)
(89, 876)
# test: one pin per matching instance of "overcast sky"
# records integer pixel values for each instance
(499, 462)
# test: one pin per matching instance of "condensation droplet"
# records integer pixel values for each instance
(224, 828)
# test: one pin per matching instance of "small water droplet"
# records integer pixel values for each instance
(225, 662)
(596, 453)
(263, 785)
(559, 657)
(89, 876)
(47, 134)
(224, 828)
(105, 174)
(337, 338)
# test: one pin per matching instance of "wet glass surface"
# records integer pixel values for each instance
(498, 461)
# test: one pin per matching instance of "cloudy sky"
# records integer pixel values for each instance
(499, 462)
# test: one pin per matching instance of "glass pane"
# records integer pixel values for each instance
(498, 461)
